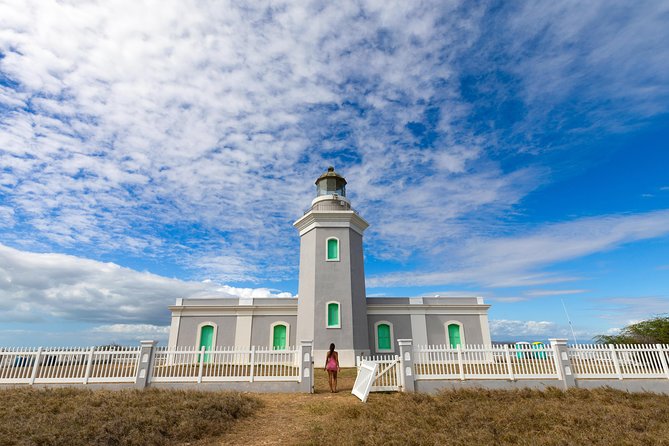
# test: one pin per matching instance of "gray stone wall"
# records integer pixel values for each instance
(225, 335)
(359, 293)
(342, 281)
(306, 287)
(333, 283)
(436, 332)
(262, 325)
(401, 329)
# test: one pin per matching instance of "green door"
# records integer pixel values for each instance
(279, 337)
(454, 335)
(383, 336)
(206, 339)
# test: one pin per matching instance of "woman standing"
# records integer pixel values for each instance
(332, 366)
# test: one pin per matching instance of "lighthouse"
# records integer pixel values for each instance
(332, 305)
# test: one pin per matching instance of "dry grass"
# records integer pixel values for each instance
(461, 417)
(72, 417)
(482, 417)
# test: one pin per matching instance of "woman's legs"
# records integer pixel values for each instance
(330, 380)
(334, 381)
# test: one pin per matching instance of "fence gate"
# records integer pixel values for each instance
(388, 375)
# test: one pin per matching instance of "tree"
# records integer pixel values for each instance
(652, 331)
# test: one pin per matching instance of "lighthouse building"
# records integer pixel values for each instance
(332, 306)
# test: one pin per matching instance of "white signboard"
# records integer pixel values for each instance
(365, 379)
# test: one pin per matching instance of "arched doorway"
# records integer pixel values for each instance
(454, 335)
(279, 337)
(206, 339)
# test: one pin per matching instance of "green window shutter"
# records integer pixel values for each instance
(206, 339)
(454, 335)
(333, 315)
(383, 337)
(333, 249)
(279, 337)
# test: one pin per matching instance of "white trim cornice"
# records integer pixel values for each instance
(331, 219)
(380, 309)
(234, 311)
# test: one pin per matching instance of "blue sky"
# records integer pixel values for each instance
(149, 151)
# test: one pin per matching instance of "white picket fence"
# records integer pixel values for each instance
(485, 362)
(68, 365)
(80, 365)
(388, 375)
(523, 361)
(189, 364)
(619, 361)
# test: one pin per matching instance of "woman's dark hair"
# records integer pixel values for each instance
(331, 348)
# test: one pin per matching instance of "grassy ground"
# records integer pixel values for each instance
(476, 417)
(72, 417)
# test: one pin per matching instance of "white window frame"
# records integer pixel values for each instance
(271, 334)
(338, 249)
(392, 337)
(462, 333)
(198, 337)
(327, 306)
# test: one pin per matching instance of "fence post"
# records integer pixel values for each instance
(460, 362)
(145, 361)
(406, 365)
(252, 372)
(200, 370)
(562, 362)
(616, 364)
(33, 376)
(306, 367)
(663, 360)
(89, 365)
(509, 366)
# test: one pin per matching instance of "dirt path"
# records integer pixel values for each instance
(290, 418)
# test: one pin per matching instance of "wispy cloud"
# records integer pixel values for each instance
(519, 260)
(507, 299)
(133, 127)
(623, 310)
(540, 293)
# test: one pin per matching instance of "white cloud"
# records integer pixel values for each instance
(191, 132)
(503, 328)
(126, 333)
(252, 292)
(46, 287)
(131, 121)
